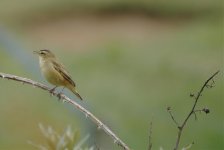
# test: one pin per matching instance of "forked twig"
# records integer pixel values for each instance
(193, 111)
(64, 98)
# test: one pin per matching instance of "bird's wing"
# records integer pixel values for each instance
(61, 69)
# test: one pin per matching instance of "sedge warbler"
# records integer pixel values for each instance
(54, 71)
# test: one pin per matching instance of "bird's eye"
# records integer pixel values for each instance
(42, 53)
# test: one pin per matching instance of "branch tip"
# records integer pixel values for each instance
(206, 110)
(192, 95)
(168, 108)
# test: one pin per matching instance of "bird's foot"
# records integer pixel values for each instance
(59, 95)
(52, 91)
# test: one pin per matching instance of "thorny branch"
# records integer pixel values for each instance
(193, 111)
(64, 98)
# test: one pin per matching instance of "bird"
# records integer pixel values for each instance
(54, 72)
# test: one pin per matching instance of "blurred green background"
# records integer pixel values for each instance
(130, 59)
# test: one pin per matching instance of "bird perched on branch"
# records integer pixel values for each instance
(55, 72)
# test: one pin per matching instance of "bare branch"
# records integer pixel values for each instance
(193, 111)
(88, 114)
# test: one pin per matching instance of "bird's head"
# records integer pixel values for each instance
(45, 53)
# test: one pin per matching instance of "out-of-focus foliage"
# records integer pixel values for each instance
(68, 140)
(25, 11)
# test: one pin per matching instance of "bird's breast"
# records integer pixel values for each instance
(49, 72)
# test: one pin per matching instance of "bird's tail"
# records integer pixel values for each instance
(75, 92)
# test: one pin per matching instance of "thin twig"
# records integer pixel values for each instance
(192, 111)
(150, 137)
(88, 114)
(171, 115)
(188, 146)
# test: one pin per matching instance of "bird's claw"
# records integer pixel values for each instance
(59, 95)
(52, 91)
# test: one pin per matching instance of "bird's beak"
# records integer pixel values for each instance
(36, 52)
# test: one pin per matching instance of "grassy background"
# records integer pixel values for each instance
(130, 60)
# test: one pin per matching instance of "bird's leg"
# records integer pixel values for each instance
(59, 94)
(52, 90)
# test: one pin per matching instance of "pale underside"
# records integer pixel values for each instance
(54, 74)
